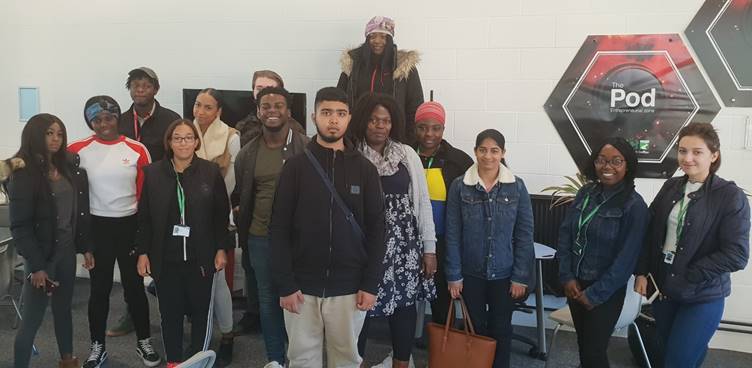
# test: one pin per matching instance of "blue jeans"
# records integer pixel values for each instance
(685, 330)
(272, 319)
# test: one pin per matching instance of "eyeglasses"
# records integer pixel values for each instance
(374, 121)
(189, 139)
(615, 162)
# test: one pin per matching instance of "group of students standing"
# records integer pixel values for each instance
(372, 215)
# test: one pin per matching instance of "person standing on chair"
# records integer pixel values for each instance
(377, 66)
(220, 144)
(698, 235)
(442, 163)
(115, 165)
(489, 235)
(327, 241)
(49, 221)
(599, 241)
(377, 130)
(182, 238)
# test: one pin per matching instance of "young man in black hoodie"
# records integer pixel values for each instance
(327, 259)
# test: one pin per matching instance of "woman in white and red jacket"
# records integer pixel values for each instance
(115, 166)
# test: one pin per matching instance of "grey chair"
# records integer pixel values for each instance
(202, 359)
(7, 273)
(7, 264)
(629, 312)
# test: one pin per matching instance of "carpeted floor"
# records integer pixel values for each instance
(249, 350)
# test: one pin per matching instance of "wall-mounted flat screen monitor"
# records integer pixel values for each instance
(238, 104)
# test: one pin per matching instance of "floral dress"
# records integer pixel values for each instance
(403, 283)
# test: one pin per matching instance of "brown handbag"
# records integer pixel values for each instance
(452, 348)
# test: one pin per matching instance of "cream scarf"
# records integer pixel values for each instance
(214, 141)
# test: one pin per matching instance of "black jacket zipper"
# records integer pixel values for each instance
(331, 220)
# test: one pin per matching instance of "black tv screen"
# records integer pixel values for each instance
(238, 104)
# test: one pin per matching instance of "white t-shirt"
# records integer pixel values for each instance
(115, 170)
(673, 218)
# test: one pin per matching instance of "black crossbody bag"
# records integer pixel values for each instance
(342, 206)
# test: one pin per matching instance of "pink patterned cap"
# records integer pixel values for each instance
(379, 24)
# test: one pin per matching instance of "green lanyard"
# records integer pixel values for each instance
(181, 207)
(430, 159)
(682, 214)
(181, 199)
(585, 222)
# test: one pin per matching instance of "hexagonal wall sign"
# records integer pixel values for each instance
(643, 88)
(721, 36)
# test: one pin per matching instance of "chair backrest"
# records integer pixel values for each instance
(202, 359)
(631, 308)
(7, 260)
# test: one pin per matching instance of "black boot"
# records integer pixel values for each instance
(224, 353)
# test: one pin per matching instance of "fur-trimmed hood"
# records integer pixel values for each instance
(7, 167)
(10, 165)
(407, 60)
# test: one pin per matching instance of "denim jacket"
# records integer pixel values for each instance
(489, 235)
(613, 239)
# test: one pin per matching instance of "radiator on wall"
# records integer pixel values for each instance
(546, 222)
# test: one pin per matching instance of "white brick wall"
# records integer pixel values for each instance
(491, 62)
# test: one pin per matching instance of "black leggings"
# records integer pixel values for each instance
(402, 328)
(62, 270)
(114, 240)
(594, 327)
(182, 289)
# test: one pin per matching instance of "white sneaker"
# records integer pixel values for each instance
(274, 364)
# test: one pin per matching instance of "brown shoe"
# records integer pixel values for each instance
(69, 363)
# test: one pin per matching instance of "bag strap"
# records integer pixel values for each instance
(330, 186)
(468, 325)
(466, 316)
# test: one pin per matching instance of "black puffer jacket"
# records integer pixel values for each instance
(33, 214)
(407, 88)
(714, 241)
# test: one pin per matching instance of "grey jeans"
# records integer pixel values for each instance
(62, 270)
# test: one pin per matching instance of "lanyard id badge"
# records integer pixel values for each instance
(668, 257)
(181, 230)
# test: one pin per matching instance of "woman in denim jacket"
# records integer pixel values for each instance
(599, 242)
(489, 240)
(698, 235)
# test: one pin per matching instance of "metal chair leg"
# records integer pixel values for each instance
(419, 322)
(642, 346)
(553, 340)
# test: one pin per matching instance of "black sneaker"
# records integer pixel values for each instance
(248, 324)
(97, 357)
(147, 354)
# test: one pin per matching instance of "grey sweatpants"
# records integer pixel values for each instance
(62, 270)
